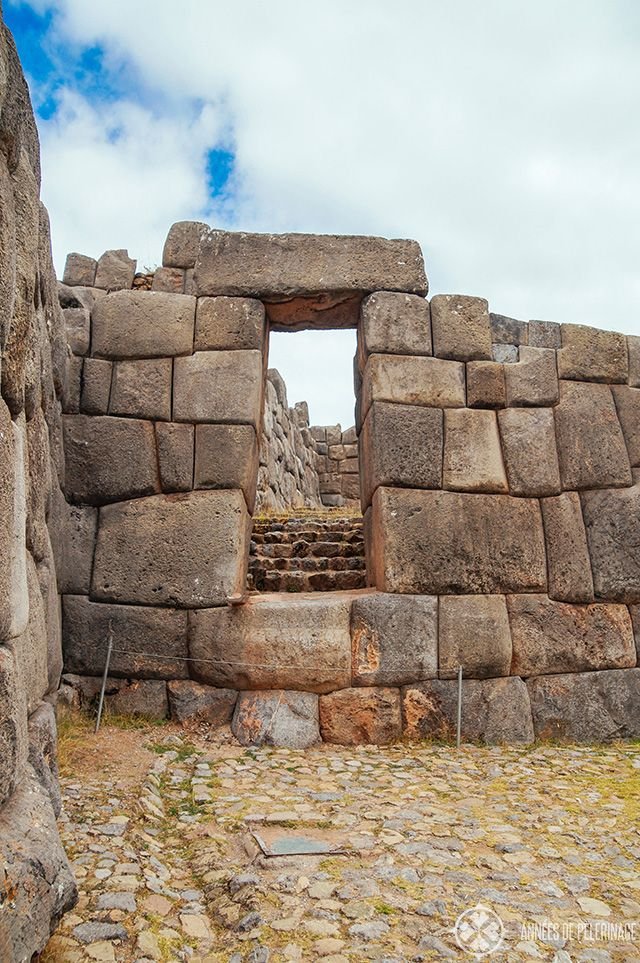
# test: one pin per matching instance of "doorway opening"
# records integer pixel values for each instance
(307, 529)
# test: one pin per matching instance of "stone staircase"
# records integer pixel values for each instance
(315, 552)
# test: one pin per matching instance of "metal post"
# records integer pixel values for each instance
(105, 676)
(459, 725)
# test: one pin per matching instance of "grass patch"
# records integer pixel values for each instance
(74, 728)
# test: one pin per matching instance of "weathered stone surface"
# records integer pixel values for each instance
(143, 324)
(533, 381)
(276, 718)
(544, 334)
(35, 872)
(183, 243)
(42, 751)
(401, 446)
(633, 347)
(589, 354)
(135, 630)
(413, 381)
(142, 388)
(193, 702)
(635, 619)
(227, 457)
(368, 715)
(587, 707)
(169, 279)
(79, 269)
(14, 597)
(493, 711)
(472, 453)
(274, 642)
(568, 562)
(109, 459)
(96, 386)
(13, 724)
(506, 330)
(115, 271)
(277, 266)
(72, 386)
(504, 353)
(591, 446)
(446, 543)
(461, 327)
(628, 407)
(474, 633)
(612, 521)
(139, 697)
(73, 533)
(529, 447)
(486, 387)
(394, 639)
(77, 324)
(175, 456)
(218, 386)
(229, 323)
(550, 637)
(31, 647)
(394, 324)
(39, 482)
(185, 550)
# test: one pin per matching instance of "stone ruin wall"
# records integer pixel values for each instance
(36, 883)
(498, 461)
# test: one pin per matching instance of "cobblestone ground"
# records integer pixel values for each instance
(160, 831)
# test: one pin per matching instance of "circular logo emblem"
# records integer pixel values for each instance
(479, 931)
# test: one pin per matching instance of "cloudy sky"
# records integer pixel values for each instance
(503, 134)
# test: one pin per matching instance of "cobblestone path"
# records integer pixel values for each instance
(160, 832)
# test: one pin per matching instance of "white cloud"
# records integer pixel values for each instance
(504, 136)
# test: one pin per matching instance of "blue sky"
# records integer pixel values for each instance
(504, 136)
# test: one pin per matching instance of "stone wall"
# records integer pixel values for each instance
(36, 884)
(498, 464)
(337, 465)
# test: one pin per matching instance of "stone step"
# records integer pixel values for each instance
(306, 550)
(306, 582)
(307, 564)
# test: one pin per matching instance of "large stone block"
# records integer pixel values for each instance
(505, 330)
(276, 718)
(73, 537)
(96, 386)
(529, 446)
(544, 334)
(79, 269)
(35, 872)
(31, 648)
(135, 631)
(472, 453)
(219, 386)
(394, 324)
(43, 745)
(142, 389)
(394, 639)
(446, 543)
(407, 380)
(533, 381)
(169, 279)
(400, 446)
(138, 697)
(175, 456)
(474, 633)
(461, 327)
(274, 642)
(185, 550)
(353, 716)
(109, 459)
(587, 707)
(633, 346)
(591, 446)
(493, 711)
(14, 596)
(486, 387)
(13, 724)
(77, 323)
(115, 271)
(550, 637)
(612, 521)
(628, 408)
(568, 562)
(277, 266)
(227, 457)
(143, 324)
(183, 243)
(229, 323)
(192, 702)
(38, 484)
(588, 354)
